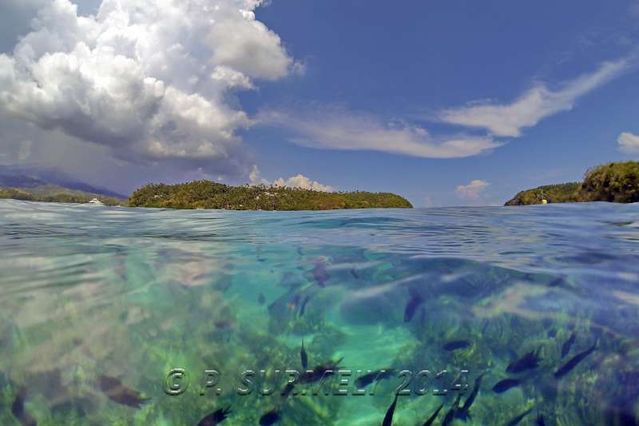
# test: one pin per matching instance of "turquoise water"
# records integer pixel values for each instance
(114, 315)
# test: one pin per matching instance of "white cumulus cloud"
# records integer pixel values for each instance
(344, 130)
(149, 79)
(473, 190)
(534, 105)
(298, 181)
(628, 142)
(302, 182)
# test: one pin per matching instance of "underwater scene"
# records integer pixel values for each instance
(443, 316)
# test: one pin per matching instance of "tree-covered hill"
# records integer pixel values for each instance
(613, 182)
(55, 194)
(212, 195)
(559, 193)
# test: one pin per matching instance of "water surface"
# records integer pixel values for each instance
(98, 305)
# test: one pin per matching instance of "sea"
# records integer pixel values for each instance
(443, 316)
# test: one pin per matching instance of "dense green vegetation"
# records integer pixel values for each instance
(212, 195)
(560, 193)
(613, 182)
(55, 194)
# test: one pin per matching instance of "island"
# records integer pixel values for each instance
(57, 194)
(52, 187)
(212, 195)
(612, 182)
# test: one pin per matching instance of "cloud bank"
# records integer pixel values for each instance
(149, 79)
(628, 143)
(345, 130)
(298, 181)
(340, 129)
(473, 190)
(539, 102)
(302, 182)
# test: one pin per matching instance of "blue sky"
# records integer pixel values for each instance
(445, 102)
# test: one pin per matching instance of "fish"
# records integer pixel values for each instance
(303, 305)
(539, 421)
(284, 308)
(506, 384)
(373, 376)
(432, 418)
(388, 418)
(515, 420)
(450, 415)
(293, 302)
(261, 299)
(270, 418)
(18, 410)
(456, 344)
(216, 417)
(316, 374)
(565, 348)
(414, 302)
(304, 357)
(320, 274)
(529, 361)
(556, 282)
(464, 412)
(572, 362)
(288, 389)
(116, 391)
(223, 324)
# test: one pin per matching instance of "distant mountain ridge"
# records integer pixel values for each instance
(30, 178)
(20, 181)
(51, 186)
